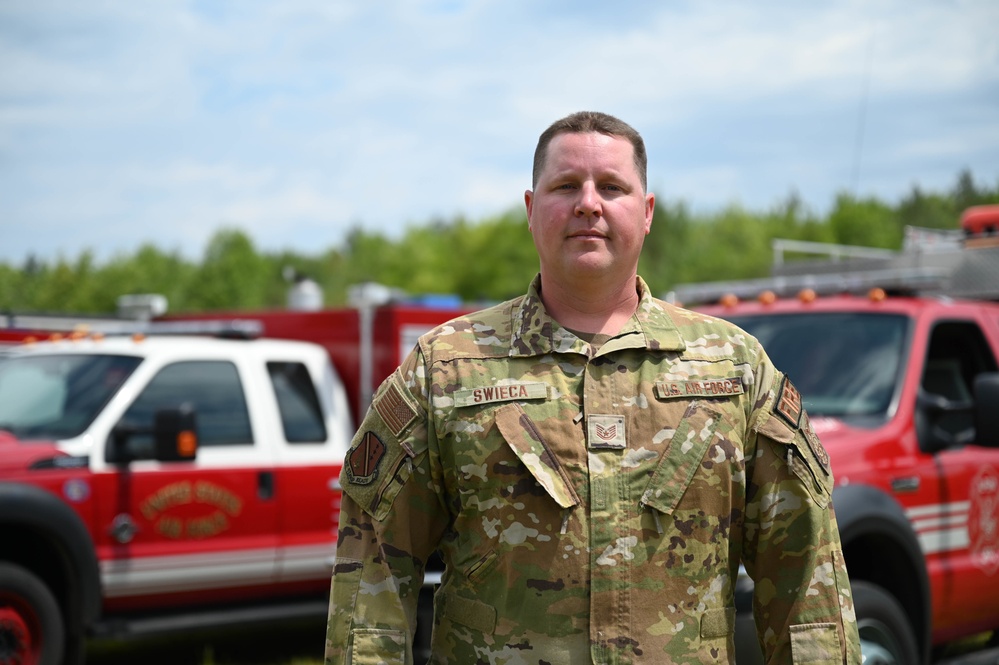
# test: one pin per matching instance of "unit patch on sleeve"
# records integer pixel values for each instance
(394, 410)
(788, 403)
(364, 458)
(816, 446)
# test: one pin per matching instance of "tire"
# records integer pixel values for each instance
(31, 627)
(886, 637)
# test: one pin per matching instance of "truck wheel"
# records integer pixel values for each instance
(31, 628)
(886, 638)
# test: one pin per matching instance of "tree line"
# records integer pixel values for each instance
(483, 261)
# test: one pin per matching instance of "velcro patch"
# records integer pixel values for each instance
(506, 392)
(364, 458)
(605, 431)
(699, 388)
(394, 410)
(788, 403)
(817, 448)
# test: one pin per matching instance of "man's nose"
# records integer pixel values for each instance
(588, 203)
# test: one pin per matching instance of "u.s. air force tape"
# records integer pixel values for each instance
(718, 387)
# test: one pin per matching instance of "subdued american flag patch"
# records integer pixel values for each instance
(394, 410)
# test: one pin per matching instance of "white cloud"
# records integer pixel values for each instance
(160, 122)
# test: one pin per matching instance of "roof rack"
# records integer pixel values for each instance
(931, 263)
(60, 323)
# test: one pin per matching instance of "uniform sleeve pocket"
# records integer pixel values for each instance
(375, 646)
(383, 451)
(522, 435)
(343, 594)
(815, 643)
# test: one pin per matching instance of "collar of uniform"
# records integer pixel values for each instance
(536, 333)
(655, 322)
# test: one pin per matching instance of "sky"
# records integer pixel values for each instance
(160, 122)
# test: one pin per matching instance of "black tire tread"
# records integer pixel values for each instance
(22, 582)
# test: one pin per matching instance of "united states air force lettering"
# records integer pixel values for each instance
(699, 388)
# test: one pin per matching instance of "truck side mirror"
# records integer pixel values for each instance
(987, 409)
(172, 438)
(175, 435)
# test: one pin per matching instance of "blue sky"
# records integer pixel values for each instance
(124, 123)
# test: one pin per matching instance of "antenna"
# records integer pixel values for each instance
(858, 149)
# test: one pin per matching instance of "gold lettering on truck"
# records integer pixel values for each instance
(160, 506)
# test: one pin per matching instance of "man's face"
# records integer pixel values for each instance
(589, 213)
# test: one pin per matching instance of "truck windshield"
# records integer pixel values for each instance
(51, 397)
(845, 365)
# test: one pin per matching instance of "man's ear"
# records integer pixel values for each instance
(650, 206)
(529, 203)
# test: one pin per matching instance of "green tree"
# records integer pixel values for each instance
(232, 275)
(866, 222)
(665, 261)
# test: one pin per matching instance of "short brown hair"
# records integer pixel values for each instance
(582, 122)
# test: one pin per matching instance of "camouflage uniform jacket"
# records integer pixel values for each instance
(589, 507)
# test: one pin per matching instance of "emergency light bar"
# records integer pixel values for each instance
(896, 280)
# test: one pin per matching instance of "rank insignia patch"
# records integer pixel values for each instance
(364, 458)
(605, 432)
(788, 403)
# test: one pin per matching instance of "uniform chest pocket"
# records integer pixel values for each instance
(679, 464)
(524, 438)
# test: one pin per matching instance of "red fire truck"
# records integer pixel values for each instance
(895, 355)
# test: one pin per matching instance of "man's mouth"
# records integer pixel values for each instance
(596, 235)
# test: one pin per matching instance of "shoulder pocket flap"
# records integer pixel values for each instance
(776, 429)
(522, 435)
(377, 466)
(680, 461)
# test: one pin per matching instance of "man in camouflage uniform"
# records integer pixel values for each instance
(592, 464)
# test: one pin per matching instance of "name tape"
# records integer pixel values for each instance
(507, 392)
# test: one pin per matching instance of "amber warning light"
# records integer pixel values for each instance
(187, 444)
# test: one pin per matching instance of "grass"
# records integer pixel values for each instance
(298, 642)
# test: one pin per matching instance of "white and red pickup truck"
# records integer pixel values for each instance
(152, 482)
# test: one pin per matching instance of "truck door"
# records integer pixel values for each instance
(310, 449)
(960, 537)
(188, 531)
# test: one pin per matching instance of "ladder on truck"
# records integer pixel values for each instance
(930, 263)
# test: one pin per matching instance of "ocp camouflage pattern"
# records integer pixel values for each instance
(590, 507)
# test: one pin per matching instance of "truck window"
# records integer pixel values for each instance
(957, 353)
(844, 364)
(301, 415)
(211, 388)
(58, 396)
